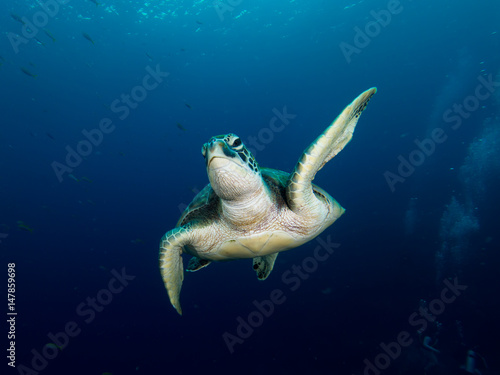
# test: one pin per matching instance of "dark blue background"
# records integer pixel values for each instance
(227, 74)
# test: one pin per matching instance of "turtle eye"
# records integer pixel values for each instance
(236, 142)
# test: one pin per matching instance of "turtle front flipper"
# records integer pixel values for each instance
(264, 265)
(299, 191)
(171, 267)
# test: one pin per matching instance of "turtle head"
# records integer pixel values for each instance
(232, 169)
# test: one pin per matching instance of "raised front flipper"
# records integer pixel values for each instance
(264, 265)
(299, 191)
(171, 262)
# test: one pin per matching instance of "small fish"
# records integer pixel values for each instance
(39, 42)
(199, 22)
(86, 179)
(53, 346)
(149, 56)
(327, 290)
(179, 125)
(49, 34)
(21, 225)
(95, 2)
(27, 72)
(137, 241)
(87, 36)
(187, 105)
(17, 18)
(73, 177)
(50, 135)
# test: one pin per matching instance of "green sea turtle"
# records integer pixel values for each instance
(251, 212)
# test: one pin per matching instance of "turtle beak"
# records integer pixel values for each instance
(216, 148)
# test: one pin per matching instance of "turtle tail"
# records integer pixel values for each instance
(299, 190)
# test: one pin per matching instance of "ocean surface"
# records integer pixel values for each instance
(104, 107)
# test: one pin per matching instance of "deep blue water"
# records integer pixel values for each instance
(231, 66)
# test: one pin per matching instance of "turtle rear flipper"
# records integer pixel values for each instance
(264, 265)
(171, 267)
(196, 264)
(299, 191)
